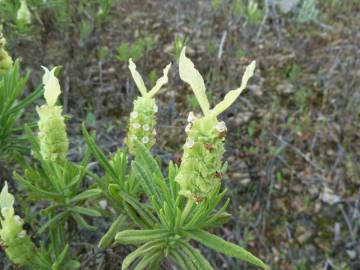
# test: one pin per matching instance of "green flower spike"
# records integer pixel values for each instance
(52, 130)
(23, 14)
(17, 244)
(143, 117)
(5, 59)
(201, 167)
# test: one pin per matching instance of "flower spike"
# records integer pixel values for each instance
(143, 117)
(52, 135)
(201, 167)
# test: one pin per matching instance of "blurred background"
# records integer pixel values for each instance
(293, 145)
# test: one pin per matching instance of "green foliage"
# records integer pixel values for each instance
(151, 211)
(135, 50)
(308, 11)
(12, 86)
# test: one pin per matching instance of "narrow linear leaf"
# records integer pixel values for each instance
(141, 236)
(109, 236)
(86, 195)
(220, 245)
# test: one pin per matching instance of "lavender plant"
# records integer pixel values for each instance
(159, 214)
(162, 225)
(58, 181)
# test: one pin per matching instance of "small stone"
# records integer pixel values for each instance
(154, 132)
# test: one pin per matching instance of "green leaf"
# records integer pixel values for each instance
(147, 260)
(142, 213)
(36, 190)
(109, 236)
(141, 251)
(136, 237)
(222, 246)
(196, 256)
(99, 155)
(86, 195)
(180, 258)
(86, 211)
(146, 181)
(52, 221)
(144, 157)
(59, 260)
(27, 101)
(81, 222)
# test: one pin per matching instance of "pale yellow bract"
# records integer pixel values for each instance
(140, 82)
(51, 86)
(192, 76)
(189, 74)
(23, 14)
(6, 198)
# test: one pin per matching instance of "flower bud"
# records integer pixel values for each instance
(52, 130)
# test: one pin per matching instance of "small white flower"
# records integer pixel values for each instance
(191, 118)
(188, 127)
(22, 234)
(136, 125)
(154, 132)
(155, 108)
(134, 114)
(146, 127)
(189, 143)
(145, 139)
(221, 127)
(18, 220)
